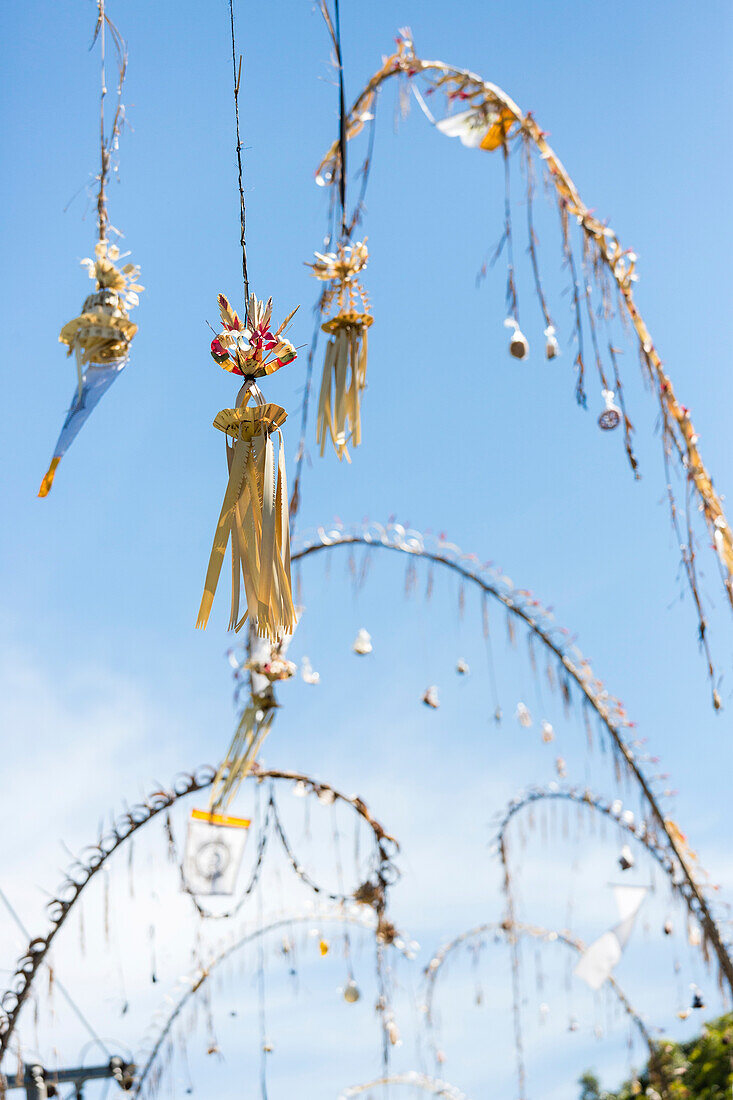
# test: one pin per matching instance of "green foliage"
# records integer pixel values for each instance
(701, 1069)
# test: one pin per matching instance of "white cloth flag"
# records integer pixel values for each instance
(597, 961)
(215, 845)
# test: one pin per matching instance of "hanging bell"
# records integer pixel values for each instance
(362, 642)
(548, 733)
(626, 859)
(323, 947)
(523, 716)
(697, 1000)
(518, 345)
(610, 418)
(668, 927)
(560, 767)
(430, 697)
(552, 348)
(462, 667)
(498, 716)
(351, 992)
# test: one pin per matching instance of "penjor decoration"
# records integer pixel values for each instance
(344, 368)
(101, 335)
(254, 513)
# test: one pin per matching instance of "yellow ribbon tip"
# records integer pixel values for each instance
(48, 479)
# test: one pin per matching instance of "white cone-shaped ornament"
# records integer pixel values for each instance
(430, 697)
(523, 716)
(362, 642)
(308, 673)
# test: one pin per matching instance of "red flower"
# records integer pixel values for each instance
(217, 350)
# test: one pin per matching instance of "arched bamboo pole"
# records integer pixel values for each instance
(526, 608)
(194, 982)
(530, 931)
(679, 437)
(93, 858)
(648, 838)
(431, 1085)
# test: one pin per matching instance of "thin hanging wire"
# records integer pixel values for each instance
(342, 122)
(334, 30)
(102, 218)
(261, 997)
(107, 145)
(237, 76)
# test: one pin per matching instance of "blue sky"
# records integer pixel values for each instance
(106, 684)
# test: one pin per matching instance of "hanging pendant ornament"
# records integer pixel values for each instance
(523, 715)
(344, 368)
(518, 344)
(254, 512)
(552, 348)
(351, 992)
(430, 697)
(610, 418)
(101, 335)
(626, 858)
(462, 667)
(308, 673)
(362, 642)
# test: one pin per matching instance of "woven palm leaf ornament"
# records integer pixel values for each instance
(254, 513)
(344, 368)
(602, 275)
(100, 337)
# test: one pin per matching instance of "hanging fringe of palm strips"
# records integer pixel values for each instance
(344, 368)
(253, 728)
(488, 119)
(255, 508)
